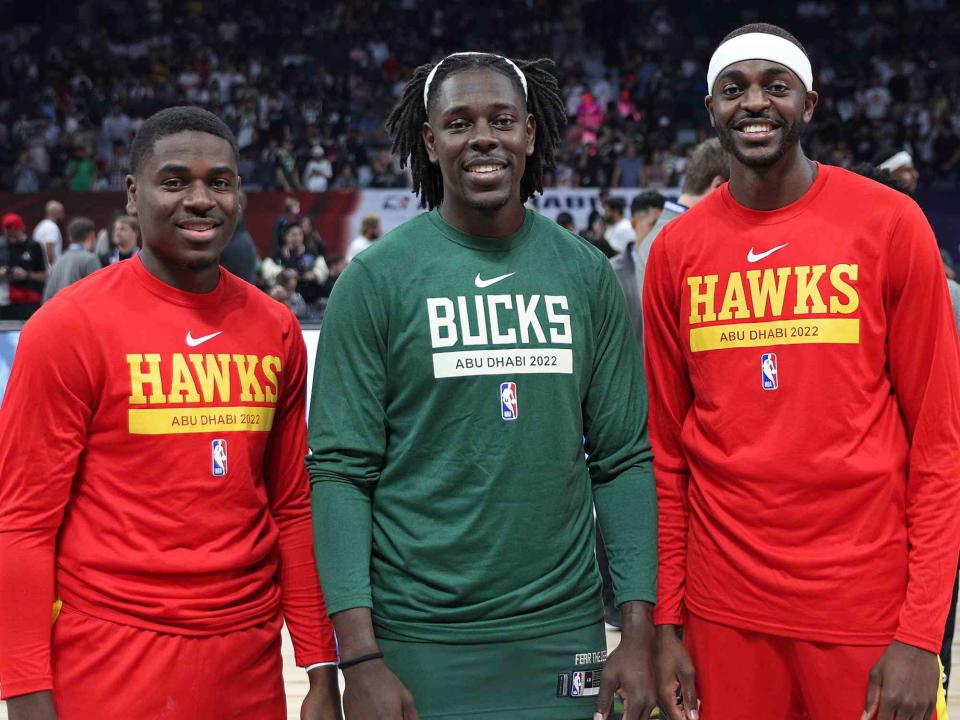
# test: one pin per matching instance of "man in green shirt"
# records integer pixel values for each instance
(467, 361)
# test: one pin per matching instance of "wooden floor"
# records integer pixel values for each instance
(296, 679)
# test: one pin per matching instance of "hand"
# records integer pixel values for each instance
(372, 691)
(323, 698)
(675, 671)
(17, 273)
(903, 684)
(629, 669)
(32, 706)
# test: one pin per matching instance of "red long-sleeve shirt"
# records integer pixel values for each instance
(151, 468)
(804, 384)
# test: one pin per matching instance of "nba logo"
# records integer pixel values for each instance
(219, 463)
(508, 401)
(769, 377)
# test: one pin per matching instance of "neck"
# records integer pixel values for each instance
(775, 186)
(688, 200)
(502, 222)
(182, 278)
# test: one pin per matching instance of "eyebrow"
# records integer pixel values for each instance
(178, 169)
(459, 109)
(738, 75)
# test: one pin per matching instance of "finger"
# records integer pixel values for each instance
(888, 708)
(872, 700)
(631, 706)
(669, 704)
(688, 690)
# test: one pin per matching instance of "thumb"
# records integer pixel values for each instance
(872, 701)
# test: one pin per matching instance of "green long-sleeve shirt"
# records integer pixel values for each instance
(456, 378)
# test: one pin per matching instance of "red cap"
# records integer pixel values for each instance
(12, 221)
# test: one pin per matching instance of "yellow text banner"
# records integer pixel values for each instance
(844, 331)
(179, 421)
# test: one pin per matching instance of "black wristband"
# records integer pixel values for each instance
(344, 664)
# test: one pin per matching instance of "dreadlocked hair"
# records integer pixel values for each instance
(544, 102)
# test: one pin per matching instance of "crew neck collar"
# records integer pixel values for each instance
(174, 295)
(778, 215)
(483, 243)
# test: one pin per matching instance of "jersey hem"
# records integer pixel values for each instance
(25, 687)
(818, 634)
(525, 712)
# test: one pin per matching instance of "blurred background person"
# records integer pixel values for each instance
(77, 261)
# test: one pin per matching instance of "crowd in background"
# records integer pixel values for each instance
(307, 92)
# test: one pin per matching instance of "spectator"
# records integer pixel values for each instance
(81, 171)
(240, 255)
(369, 232)
(619, 231)
(626, 172)
(336, 265)
(312, 238)
(293, 253)
(78, 261)
(565, 220)
(318, 172)
(47, 231)
(289, 216)
(287, 175)
(25, 270)
(594, 233)
(126, 240)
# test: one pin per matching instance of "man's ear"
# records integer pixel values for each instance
(131, 182)
(708, 103)
(531, 134)
(426, 132)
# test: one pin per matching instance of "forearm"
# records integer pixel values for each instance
(34, 706)
(342, 540)
(673, 523)
(304, 609)
(627, 511)
(26, 609)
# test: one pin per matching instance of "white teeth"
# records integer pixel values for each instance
(483, 169)
(758, 128)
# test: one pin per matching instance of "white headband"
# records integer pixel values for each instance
(760, 46)
(901, 159)
(508, 61)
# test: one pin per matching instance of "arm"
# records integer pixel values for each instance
(924, 364)
(43, 428)
(670, 399)
(615, 420)
(289, 496)
(348, 439)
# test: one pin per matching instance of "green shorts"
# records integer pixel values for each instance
(556, 677)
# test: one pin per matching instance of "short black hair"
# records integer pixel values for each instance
(616, 203)
(544, 102)
(766, 28)
(79, 229)
(648, 199)
(709, 160)
(173, 120)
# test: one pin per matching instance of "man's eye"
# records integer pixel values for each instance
(504, 122)
(730, 90)
(221, 184)
(457, 125)
(172, 184)
(779, 88)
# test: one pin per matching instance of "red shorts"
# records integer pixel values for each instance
(746, 675)
(106, 671)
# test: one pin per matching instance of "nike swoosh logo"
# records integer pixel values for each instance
(480, 283)
(753, 257)
(193, 342)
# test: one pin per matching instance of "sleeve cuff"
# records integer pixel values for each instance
(919, 641)
(24, 687)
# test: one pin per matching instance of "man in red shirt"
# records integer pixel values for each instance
(804, 373)
(152, 484)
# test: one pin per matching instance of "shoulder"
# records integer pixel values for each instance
(403, 242)
(850, 188)
(546, 230)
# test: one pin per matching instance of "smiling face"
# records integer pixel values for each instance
(759, 109)
(480, 134)
(186, 197)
